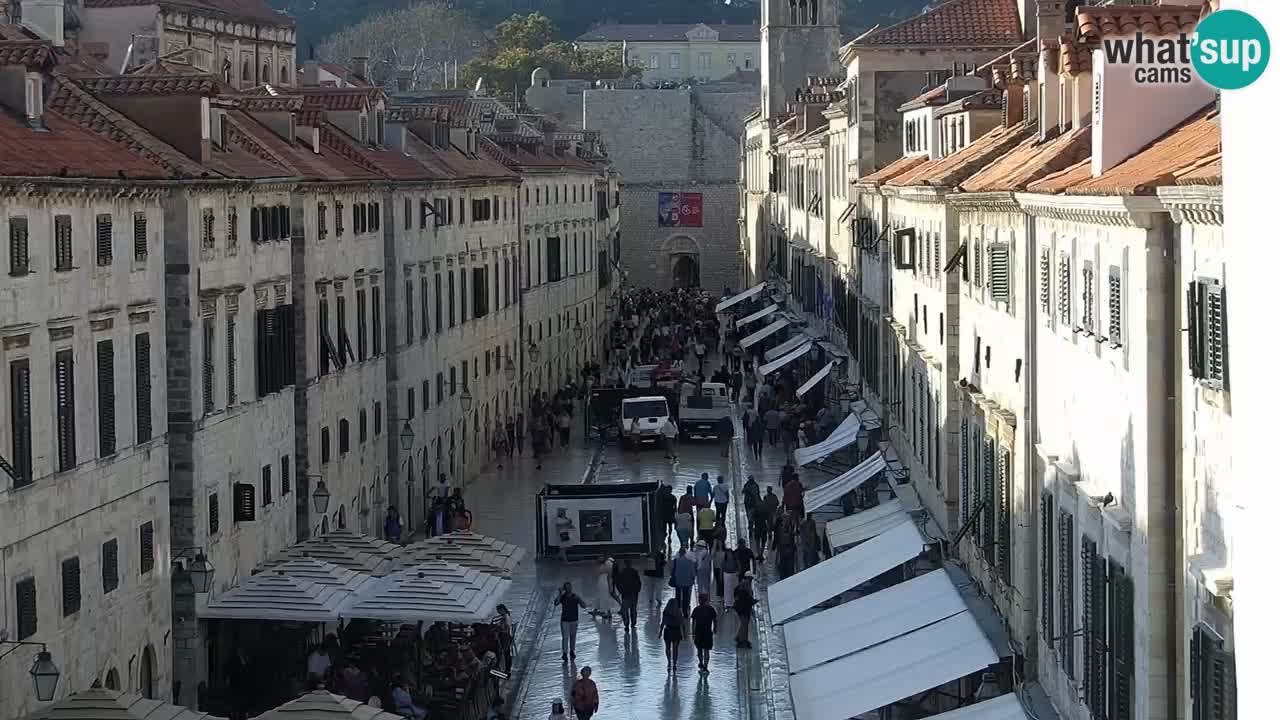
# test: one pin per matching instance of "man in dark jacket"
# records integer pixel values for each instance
(628, 585)
(667, 503)
(743, 603)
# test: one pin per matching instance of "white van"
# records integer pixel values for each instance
(644, 419)
(703, 407)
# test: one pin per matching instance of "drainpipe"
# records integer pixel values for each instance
(1173, 352)
(1030, 431)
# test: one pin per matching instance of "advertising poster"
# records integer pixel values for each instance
(598, 521)
(679, 209)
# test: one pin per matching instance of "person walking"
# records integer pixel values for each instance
(684, 572)
(720, 496)
(793, 495)
(629, 586)
(765, 512)
(730, 568)
(743, 604)
(784, 543)
(705, 563)
(569, 604)
(510, 427)
(700, 351)
(706, 524)
(506, 636)
(704, 631)
(557, 711)
(702, 490)
(773, 423)
(671, 630)
(810, 542)
(755, 439)
(604, 598)
(684, 527)
(563, 423)
(586, 696)
(500, 444)
(519, 433)
(564, 533)
(667, 503)
(750, 499)
(724, 433)
(392, 527)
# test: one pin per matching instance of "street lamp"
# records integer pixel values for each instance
(197, 575)
(533, 352)
(578, 331)
(320, 496)
(465, 399)
(511, 371)
(44, 674)
(406, 436)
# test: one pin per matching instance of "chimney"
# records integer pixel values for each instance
(404, 81)
(360, 66)
(45, 18)
(1051, 22)
(310, 73)
(1013, 106)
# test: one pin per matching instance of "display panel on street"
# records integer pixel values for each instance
(677, 209)
(597, 521)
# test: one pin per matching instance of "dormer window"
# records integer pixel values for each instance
(380, 127)
(364, 128)
(35, 100)
(245, 77)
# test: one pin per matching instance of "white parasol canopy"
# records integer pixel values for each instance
(429, 593)
(467, 549)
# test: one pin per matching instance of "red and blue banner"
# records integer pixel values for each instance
(679, 209)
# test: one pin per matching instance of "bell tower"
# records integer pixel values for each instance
(798, 38)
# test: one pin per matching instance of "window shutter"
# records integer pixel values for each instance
(231, 360)
(106, 398)
(1222, 685)
(1215, 334)
(266, 485)
(214, 514)
(1066, 593)
(1046, 567)
(286, 222)
(70, 586)
(104, 239)
(284, 475)
(20, 420)
(110, 565)
(207, 368)
(1195, 329)
(1046, 293)
(255, 224)
(62, 255)
(206, 229)
(1115, 308)
(1093, 620)
(1064, 289)
(1004, 551)
(964, 469)
(937, 254)
(142, 384)
(1121, 643)
(26, 611)
(233, 231)
(989, 496)
(1087, 300)
(999, 271)
(19, 247)
(146, 536)
(64, 382)
(977, 261)
(243, 507)
(261, 351)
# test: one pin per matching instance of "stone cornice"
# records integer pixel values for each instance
(919, 193)
(83, 188)
(1195, 204)
(992, 201)
(1135, 211)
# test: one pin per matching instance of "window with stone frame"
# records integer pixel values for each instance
(1207, 340)
(62, 249)
(104, 239)
(65, 406)
(1088, 298)
(233, 231)
(26, 609)
(1064, 289)
(1115, 307)
(207, 242)
(19, 246)
(106, 398)
(1213, 676)
(111, 565)
(1045, 278)
(146, 548)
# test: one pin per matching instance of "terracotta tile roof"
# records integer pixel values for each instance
(953, 169)
(298, 156)
(310, 118)
(153, 85)
(1195, 139)
(253, 10)
(269, 103)
(1208, 171)
(67, 150)
(247, 157)
(1074, 58)
(1001, 61)
(962, 23)
(76, 104)
(1095, 23)
(340, 71)
(1031, 161)
(31, 53)
(893, 169)
(450, 163)
(932, 96)
(335, 99)
(410, 113)
(982, 100)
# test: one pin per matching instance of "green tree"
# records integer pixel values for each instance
(530, 32)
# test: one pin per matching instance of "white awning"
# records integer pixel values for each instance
(785, 346)
(853, 529)
(836, 488)
(1004, 707)
(729, 302)
(770, 367)
(788, 598)
(845, 433)
(871, 620)
(763, 333)
(758, 315)
(277, 596)
(817, 378)
(888, 672)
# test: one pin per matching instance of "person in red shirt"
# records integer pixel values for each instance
(586, 697)
(793, 496)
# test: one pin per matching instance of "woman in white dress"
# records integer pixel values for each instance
(604, 599)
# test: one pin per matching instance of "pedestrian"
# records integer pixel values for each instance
(684, 572)
(629, 585)
(684, 528)
(773, 423)
(750, 499)
(391, 527)
(510, 427)
(702, 490)
(706, 524)
(604, 599)
(500, 444)
(564, 533)
(563, 423)
(403, 701)
(506, 636)
(755, 439)
(671, 629)
(764, 517)
(586, 697)
(705, 562)
(704, 631)
(720, 495)
(810, 541)
(667, 502)
(784, 543)
(319, 665)
(519, 431)
(557, 711)
(743, 603)
(569, 604)
(700, 352)
(724, 432)
(729, 567)
(793, 495)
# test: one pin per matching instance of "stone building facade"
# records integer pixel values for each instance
(675, 141)
(675, 52)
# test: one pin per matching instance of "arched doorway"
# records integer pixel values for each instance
(684, 261)
(147, 674)
(113, 679)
